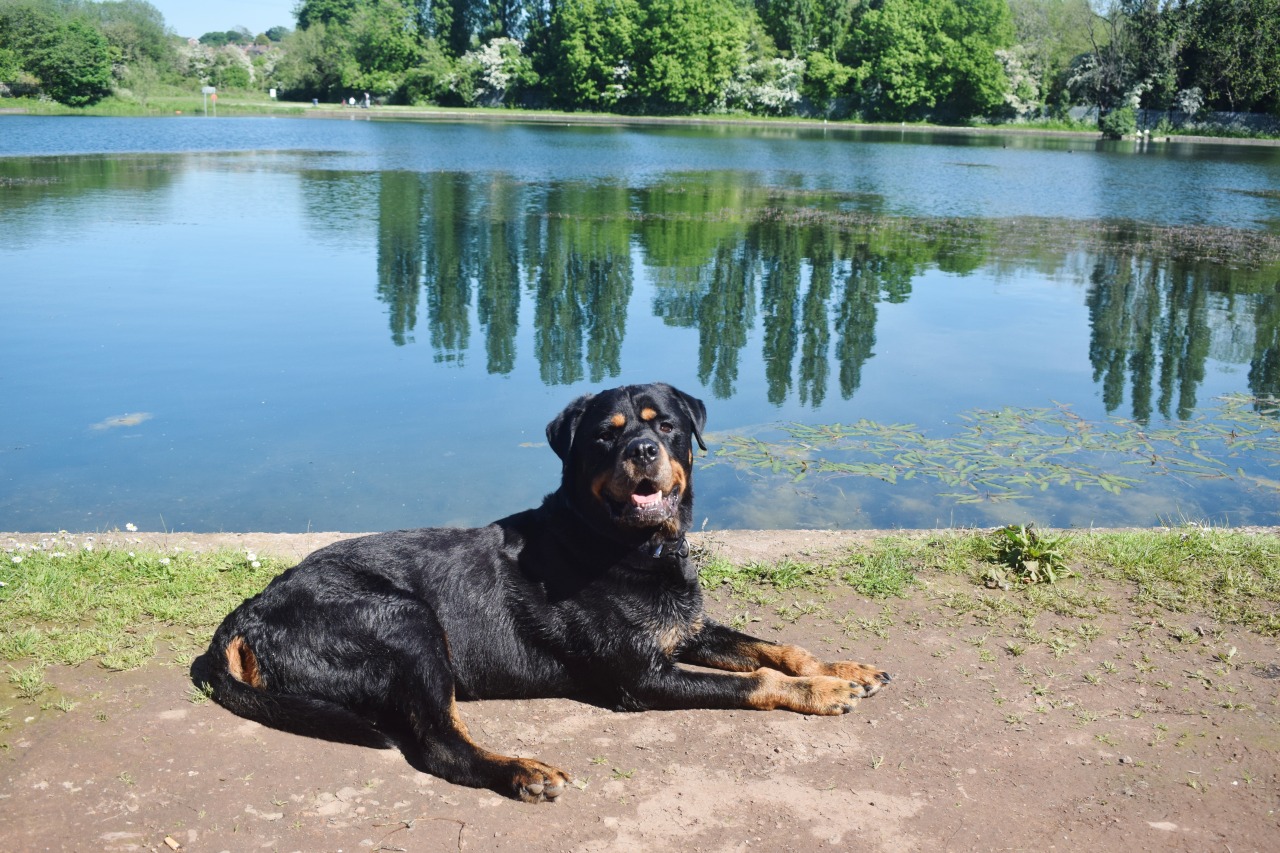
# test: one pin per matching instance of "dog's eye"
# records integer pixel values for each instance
(606, 434)
(666, 426)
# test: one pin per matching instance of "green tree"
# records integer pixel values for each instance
(1050, 35)
(589, 48)
(383, 39)
(75, 65)
(687, 51)
(312, 12)
(10, 65)
(1235, 53)
(318, 62)
(916, 57)
(135, 28)
(800, 27)
(67, 54)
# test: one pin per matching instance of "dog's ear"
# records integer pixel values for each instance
(563, 426)
(696, 412)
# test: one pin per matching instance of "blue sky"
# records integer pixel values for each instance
(194, 18)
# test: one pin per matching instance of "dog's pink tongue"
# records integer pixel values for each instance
(646, 500)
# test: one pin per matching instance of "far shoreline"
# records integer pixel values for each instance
(586, 119)
(739, 546)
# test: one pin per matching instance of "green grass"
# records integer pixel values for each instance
(163, 105)
(1230, 575)
(120, 610)
(117, 608)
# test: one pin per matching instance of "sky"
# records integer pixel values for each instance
(194, 18)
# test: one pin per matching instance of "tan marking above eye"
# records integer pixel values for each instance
(647, 414)
(619, 420)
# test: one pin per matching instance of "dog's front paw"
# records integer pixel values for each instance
(535, 782)
(868, 677)
(829, 695)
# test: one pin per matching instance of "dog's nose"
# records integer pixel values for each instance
(643, 450)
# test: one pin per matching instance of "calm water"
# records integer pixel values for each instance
(288, 324)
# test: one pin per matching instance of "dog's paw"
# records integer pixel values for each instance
(535, 782)
(828, 695)
(868, 677)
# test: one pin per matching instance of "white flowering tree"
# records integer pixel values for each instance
(766, 86)
(488, 75)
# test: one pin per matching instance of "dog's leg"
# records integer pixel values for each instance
(718, 647)
(672, 687)
(426, 691)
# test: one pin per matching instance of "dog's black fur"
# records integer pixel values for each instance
(591, 595)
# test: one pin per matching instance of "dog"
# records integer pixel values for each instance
(592, 595)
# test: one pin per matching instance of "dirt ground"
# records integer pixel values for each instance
(1141, 731)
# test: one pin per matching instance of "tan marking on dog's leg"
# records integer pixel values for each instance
(794, 660)
(805, 695)
(530, 779)
(243, 664)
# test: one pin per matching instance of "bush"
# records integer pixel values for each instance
(1120, 122)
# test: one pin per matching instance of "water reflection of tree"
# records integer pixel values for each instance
(400, 250)
(447, 263)
(583, 284)
(719, 250)
(1156, 321)
(497, 287)
(1264, 366)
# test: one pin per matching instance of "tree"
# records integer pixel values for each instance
(911, 57)
(687, 51)
(69, 57)
(327, 12)
(589, 52)
(1049, 35)
(10, 66)
(318, 62)
(800, 27)
(74, 65)
(1235, 53)
(135, 28)
(384, 44)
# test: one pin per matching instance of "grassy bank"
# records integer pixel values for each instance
(255, 104)
(69, 602)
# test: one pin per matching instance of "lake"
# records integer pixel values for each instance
(293, 324)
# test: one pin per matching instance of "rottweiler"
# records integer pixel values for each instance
(592, 595)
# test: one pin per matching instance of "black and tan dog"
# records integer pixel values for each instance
(591, 595)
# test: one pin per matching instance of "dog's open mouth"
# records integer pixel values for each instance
(646, 504)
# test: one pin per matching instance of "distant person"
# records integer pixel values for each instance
(351, 101)
(366, 100)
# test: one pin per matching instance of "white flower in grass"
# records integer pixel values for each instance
(17, 560)
(131, 527)
(164, 561)
(58, 554)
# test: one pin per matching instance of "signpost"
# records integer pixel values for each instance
(207, 91)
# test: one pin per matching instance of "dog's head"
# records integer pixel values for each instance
(628, 458)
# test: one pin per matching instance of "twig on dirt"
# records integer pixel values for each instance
(408, 824)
